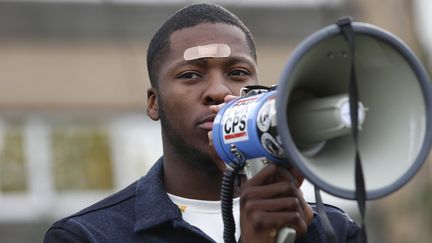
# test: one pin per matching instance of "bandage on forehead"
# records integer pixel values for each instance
(211, 50)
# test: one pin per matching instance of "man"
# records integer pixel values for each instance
(197, 60)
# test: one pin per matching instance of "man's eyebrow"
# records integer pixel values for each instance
(198, 62)
(239, 59)
(231, 60)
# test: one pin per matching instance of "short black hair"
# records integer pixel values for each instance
(189, 16)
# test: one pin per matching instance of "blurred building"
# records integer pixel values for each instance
(73, 84)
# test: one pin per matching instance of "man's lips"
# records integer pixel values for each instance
(206, 122)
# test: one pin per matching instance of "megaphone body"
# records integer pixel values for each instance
(249, 125)
(245, 123)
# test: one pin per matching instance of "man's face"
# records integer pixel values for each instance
(187, 88)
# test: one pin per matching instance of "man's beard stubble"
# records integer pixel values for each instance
(193, 155)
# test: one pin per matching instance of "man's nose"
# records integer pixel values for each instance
(216, 90)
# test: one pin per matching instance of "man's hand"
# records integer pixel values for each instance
(270, 201)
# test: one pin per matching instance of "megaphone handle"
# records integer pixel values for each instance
(251, 168)
(286, 235)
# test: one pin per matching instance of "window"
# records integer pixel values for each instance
(81, 157)
(54, 165)
(12, 162)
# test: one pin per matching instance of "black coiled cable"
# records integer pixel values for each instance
(227, 194)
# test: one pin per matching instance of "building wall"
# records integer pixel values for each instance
(83, 56)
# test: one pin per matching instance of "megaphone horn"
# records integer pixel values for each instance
(395, 135)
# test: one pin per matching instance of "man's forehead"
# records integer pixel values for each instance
(208, 40)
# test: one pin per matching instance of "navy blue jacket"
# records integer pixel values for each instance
(143, 212)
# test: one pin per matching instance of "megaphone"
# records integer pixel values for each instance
(305, 120)
(310, 100)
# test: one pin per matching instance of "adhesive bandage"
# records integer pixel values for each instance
(211, 50)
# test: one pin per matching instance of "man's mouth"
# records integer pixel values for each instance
(206, 123)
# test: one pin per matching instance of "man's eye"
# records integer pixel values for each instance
(239, 72)
(189, 75)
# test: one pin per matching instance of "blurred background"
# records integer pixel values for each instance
(73, 84)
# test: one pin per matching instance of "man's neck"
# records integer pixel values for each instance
(183, 179)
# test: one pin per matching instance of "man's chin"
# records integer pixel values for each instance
(220, 164)
(203, 160)
(210, 166)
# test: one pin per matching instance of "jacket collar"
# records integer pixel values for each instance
(153, 206)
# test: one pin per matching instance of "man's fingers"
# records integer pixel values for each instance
(266, 221)
(284, 174)
(228, 98)
(216, 108)
(275, 205)
(278, 189)
(272, 200)
(271, 174)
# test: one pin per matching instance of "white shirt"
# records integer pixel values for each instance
(207, 215)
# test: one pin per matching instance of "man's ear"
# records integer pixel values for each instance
(152, 104)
